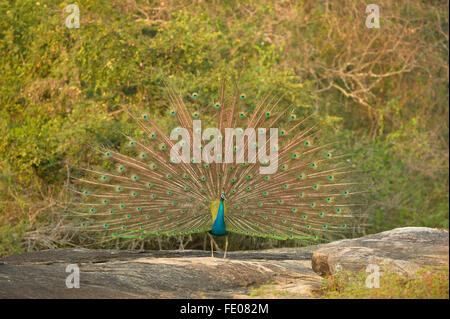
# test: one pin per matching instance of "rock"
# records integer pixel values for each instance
(156, 274)
(273, 273)
(406, 250)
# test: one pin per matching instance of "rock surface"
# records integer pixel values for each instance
(406, 250)
(194, 274)
(156, 274)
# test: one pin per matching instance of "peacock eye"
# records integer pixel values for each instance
(243, 97)
(195, 95)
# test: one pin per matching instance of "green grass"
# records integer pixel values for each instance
(270, 290)
(426, 284)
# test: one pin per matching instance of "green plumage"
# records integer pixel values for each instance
(149, 193)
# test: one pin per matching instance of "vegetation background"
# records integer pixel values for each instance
(382, 94)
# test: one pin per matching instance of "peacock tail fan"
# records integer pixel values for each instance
(152, 190)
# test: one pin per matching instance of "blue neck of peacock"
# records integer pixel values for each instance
(218, 228)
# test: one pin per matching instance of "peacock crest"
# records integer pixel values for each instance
(276, 183)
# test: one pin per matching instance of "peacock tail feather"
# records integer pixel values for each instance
(149, 192)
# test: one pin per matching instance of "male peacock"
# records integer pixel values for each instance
(160, 188)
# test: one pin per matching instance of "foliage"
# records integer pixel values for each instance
(426, 284)
(381, 94)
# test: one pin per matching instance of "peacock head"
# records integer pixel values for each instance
(223, 196)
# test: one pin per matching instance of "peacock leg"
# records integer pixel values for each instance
(226, 246)
(212, 245)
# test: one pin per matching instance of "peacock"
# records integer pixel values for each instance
(230, 166)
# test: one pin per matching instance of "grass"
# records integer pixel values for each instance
(269, 290)
(426, 284)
